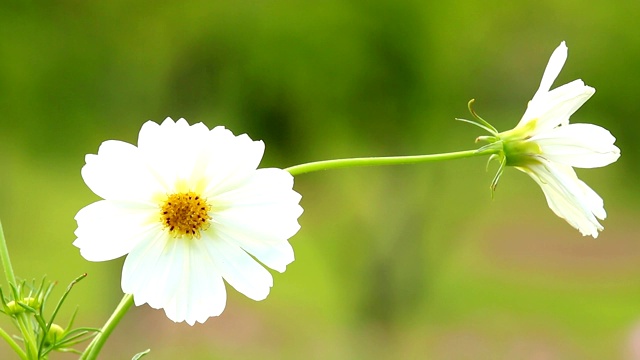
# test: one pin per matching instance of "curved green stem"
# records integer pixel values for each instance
(96, 344)
(386, 160)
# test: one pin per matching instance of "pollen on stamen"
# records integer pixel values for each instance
(185, 214)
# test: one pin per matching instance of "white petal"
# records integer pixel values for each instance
(269, 200)
(172, 150)
(175, 274)
(562, 102)
(268, 221)
(266, 241)
(263, 186)
(110, 229)
(216, 159)
(231, 160)
(119, 173)
(579, 145)
(238, 268)
(555, 107)
(146, 266)
(568, 197)
(273, 252)
(201, 294)
(554, 66)
(593, 201)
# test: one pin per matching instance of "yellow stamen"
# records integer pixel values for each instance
(185, 214)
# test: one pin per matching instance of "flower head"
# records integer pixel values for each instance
(189, 208)
(546, 147)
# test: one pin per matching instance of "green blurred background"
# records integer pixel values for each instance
(402, 262)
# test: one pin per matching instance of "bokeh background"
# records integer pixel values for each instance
(399, 262)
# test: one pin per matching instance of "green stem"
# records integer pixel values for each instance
(387, 160)
(23, 321)
(6, 263)
(92, 351)
(13, 344)
(28, 334)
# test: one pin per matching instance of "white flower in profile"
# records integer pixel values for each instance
(190, 208)
(546, 147)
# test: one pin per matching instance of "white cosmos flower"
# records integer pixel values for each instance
(546, 147)
(189, 208)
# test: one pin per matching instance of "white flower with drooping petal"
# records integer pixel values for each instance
(189, 208)
(546, 147)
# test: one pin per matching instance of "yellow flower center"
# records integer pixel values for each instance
(185, 214)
